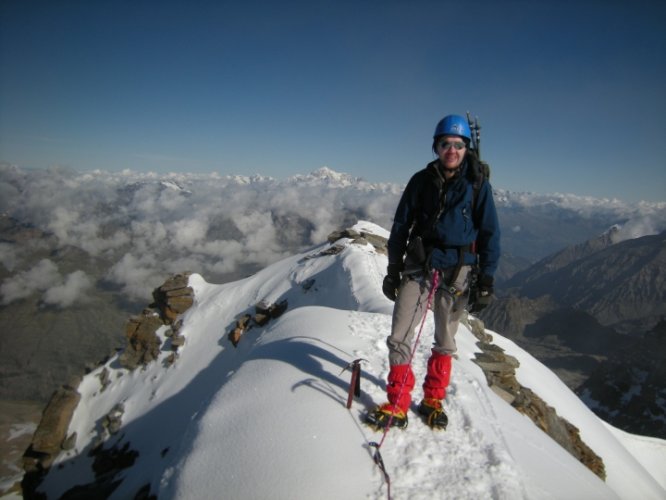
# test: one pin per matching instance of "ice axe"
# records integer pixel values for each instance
(475, 129)
(355, 384)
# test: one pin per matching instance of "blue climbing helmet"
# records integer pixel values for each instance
(453, 125)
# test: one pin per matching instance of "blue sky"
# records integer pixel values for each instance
(570, 94)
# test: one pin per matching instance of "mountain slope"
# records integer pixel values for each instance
(267, 419)
(620, 282)
(564, 257)
(616, 284)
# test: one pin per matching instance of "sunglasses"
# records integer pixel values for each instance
(457, 145)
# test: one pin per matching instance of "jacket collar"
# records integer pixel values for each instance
(435, 170)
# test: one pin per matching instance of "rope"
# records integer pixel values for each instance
(377, 456)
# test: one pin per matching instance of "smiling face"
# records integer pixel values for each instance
(451, 150)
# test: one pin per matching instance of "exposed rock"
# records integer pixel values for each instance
(277, 310)
(242, 326)
(143, 344)
(70, 442)
(264, 312)
(177, 341)
(307, 284)
(174, 297)
(343, 233)
(170, 359)
(360, 238)
(561, 430)
(332, 250)
(104, 379)
(504, 394)
(379, 242)
(113, 420)
(171, 299)
(52, 429)
(357, 238)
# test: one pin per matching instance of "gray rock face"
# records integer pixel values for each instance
(51, 432)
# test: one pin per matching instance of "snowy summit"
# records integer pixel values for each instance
(268, 418)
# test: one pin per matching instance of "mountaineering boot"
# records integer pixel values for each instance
(433, 413)
(434, 390)
(387, 415)
(400, 383)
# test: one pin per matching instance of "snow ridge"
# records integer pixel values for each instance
(268, 419)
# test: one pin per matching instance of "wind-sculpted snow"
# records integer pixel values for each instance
(268, 419)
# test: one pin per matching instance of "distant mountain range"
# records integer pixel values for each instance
(594, 313)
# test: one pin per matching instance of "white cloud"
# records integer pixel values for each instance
(70, 291)
(638, 227)
(147, 235)
(186, 233)
(44, 278)
(144, 225)
(23, 284)
(8, 256)
(137, 276)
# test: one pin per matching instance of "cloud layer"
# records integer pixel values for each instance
(147, 226)
(131, 230)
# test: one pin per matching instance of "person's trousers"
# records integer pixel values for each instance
(448, 305)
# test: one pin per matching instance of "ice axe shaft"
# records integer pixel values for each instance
(355, 384)
(475, 128)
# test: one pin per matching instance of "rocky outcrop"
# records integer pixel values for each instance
(500, 371)
(171, 299)
(143, 344)
(174, 297)
(360, 238)
(50, 438)
(263, 313)
(51, 432)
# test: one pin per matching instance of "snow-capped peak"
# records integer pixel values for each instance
(327, 176)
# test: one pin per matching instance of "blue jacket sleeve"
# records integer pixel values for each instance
(402, 222)
(487, 223)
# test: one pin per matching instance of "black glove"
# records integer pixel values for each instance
(484, 293)
(392, 281)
